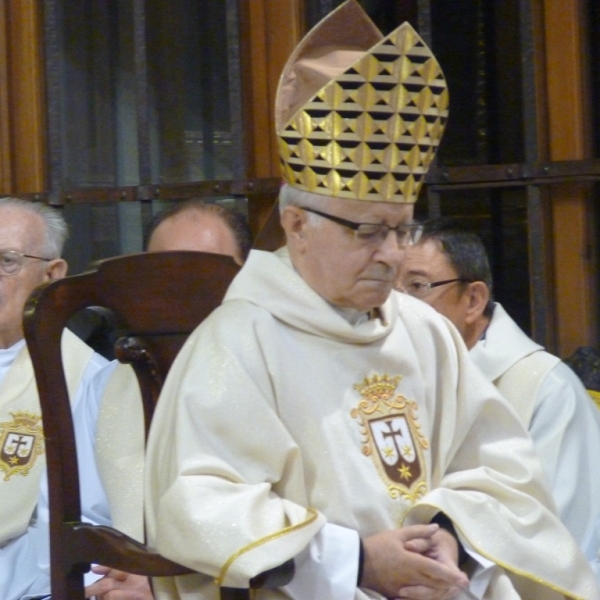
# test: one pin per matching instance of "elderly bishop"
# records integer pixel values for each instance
(320, 416)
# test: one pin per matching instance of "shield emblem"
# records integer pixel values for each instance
(392, 436)
(396, 448)
(21, 442)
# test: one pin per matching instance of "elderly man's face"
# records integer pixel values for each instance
(24, 232)
(341, 268)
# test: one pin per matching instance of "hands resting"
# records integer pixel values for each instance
(116, 585)
(418, 562)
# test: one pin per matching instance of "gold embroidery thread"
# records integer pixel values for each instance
(312, 516)
(392, 436)
(21, 442)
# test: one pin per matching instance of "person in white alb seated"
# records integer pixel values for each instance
(111, 418)
(31, 240)
(449, 270)
(320, 416)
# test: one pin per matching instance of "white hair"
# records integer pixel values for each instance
(55, 231)
(290, 196)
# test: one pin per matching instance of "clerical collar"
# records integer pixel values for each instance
(357, 317)
(8, 356)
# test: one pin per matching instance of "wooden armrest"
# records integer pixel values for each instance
(107, 546)
(112, 548)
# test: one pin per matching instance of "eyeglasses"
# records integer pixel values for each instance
(376, 233)
(420, 288)
(11, 262)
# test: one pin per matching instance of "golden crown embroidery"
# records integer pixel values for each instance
(392, 436)
(21, 442)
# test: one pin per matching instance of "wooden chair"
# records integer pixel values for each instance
(157, 299)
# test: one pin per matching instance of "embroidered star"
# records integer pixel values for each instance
(388, 451)
(11, 449)
(405, 472)
(13, 461)
(406, 451)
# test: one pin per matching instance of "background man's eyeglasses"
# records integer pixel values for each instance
(376, 233)
(420, 288)
(11, 262)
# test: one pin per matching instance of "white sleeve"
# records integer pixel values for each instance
(328, 566)
(22, 569)
(566, 433)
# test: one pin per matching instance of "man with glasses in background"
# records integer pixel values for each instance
(449, 270)
(319, 416)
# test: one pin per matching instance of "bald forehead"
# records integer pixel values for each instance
(193, 230)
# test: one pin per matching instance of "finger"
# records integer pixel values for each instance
(111, 573)
(412, 532)
(438, 574)
(419, 545)
(100, 569)
(423, 592)
(104, 585)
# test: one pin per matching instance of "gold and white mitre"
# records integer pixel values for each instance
(359, 115)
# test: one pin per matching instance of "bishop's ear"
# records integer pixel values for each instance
(479, 296)
(294, 221)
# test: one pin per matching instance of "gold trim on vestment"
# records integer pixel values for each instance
(27, 429)
(400, 463)
(273, 536)
(595, 397)
(509, 568)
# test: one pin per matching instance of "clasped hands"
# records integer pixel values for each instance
(417, 562)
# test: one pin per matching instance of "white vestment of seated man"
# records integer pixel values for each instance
(318, 415)
(24, 544)
(283, 424)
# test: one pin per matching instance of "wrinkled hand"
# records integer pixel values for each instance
(117, 585)
(442, 547)
(414, 560)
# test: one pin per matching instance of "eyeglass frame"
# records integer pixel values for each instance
(21, 264)
(415, 229)
(433, 284)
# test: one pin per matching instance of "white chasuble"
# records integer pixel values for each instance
(120, 447)
(513, 362)
(557, 411)
(22, 456)
(279, 416)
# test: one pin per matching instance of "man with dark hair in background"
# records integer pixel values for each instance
(448, 269)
